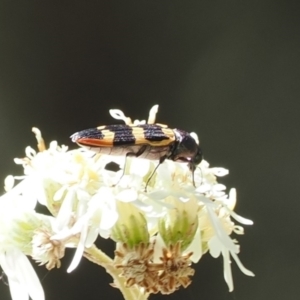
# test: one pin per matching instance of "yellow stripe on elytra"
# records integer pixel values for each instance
(108, 139)
(169, 133)
(139, 135)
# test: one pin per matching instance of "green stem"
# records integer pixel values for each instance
(98, 257)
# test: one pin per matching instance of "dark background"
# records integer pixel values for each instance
(227, 69)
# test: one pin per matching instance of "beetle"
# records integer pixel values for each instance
(149, 141)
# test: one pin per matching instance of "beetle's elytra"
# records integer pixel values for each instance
(150, 141)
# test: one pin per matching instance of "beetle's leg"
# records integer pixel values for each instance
(161, 160)
(192, 168)
(132, 154)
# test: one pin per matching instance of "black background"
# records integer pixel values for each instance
(227, 69)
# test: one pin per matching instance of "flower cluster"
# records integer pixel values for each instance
(159, 232)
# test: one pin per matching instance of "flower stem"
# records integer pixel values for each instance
(98, 257)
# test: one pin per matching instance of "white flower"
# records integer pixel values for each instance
(159, 231)
(22, 279)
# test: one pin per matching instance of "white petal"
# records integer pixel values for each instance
(219, 187)
(204, 164)
(79, 250)
(17, 290)
(152, 114)
(40, 194)
(139, 167)
(219, 171)
(82, 195)
(65, 211)
(119, 115)
(91, 236)
(32, 190)
(19, 161)
(53, 145)
(159, 244)
(58, 195)
(195, 247)
(139, 122)
(220, 232)
(108, 219)
(231, 201)
(240, 219)
(145, 207)
(238, 229)
(214, 247)
(31, 153)
(159, 194)
(227, 269)
(9, 182)
(203, 188)
(195, 137)
(80, 223)
(22, 276)
(184, 199)
(127, 195)
(62, 234)
(105, 233)
(17, 190)
(164, 172)
(241, 266)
